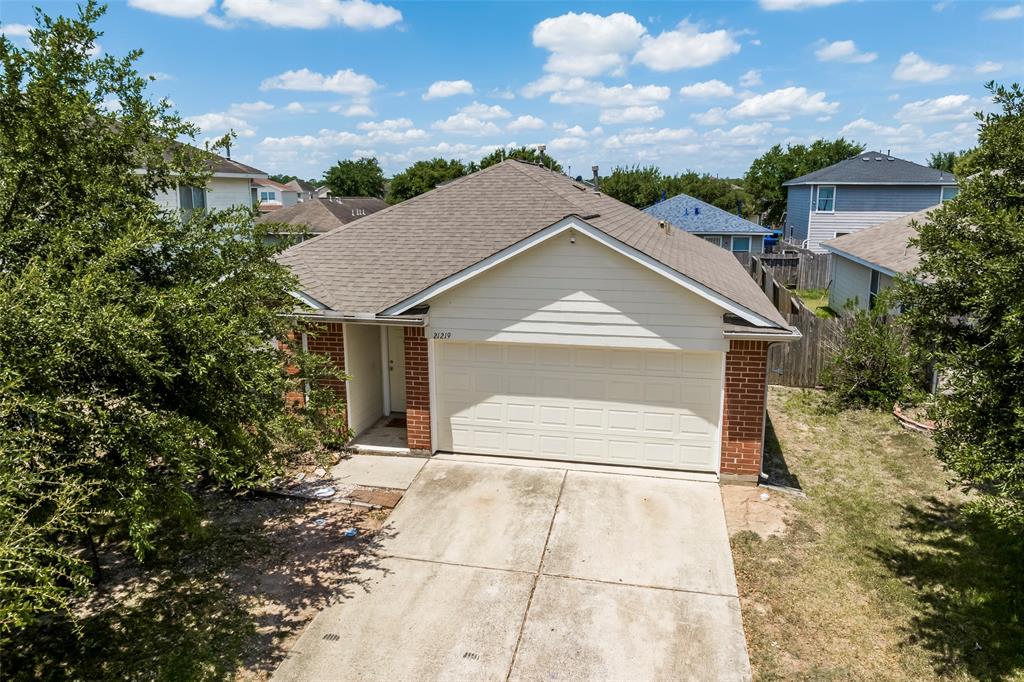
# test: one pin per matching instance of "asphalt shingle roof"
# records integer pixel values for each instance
(384, 258)
(693, 215)
(323, 215)
(875, 168)
(885, 245)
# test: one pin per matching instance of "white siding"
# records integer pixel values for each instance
(221, 193)
(365, 386)
(582, 294)
(823, 226)
(849, 281)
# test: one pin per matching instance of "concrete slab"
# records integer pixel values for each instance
(579, 630)
(378, 471)
(610, 469)
(641, 531)
(476, 514)
(415, 621)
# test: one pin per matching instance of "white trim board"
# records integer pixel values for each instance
(860, 261)
(597, 235)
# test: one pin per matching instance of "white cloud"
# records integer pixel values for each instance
(948, 108)
(649, 136)
(359, 109)
(387, 124)
(909, 138)
(785, 5)
(15, 30)
(439, 89)
(464, 124)
(913, 67)
(576, 90)
(750, 78)
(244, 108)
(587, 44)
(940, 6)
(219, 123)
(755, 42)
(485, 112)
(387, 132)
(707, 90)
(297, 108)
(711, 117)
(784, 103)
(525, 122)
(894, 97)
(843, 51)
(1004, 13)
(743, 135)
(685, 48)
(503, 94)
(344, 81)
(158, 76)
(632, 115)
(184, 9)
(357, 14)
(988, 67)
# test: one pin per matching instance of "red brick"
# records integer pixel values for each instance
(743, 420)
(417, 390)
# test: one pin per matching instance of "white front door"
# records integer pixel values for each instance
(633, 407)
(396, 368)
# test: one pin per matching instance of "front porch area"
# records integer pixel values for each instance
(387, 435)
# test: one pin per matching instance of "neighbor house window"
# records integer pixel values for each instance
(873, 288)
(741, 244)
(191, 198)
(268, 196)
(826, 199)
(714, 239)
(949, 192)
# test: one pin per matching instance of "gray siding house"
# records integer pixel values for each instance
(711, 223)
(866, 190)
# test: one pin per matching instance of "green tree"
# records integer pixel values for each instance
(522, 154)
(285, 179)
(944, 160)
(424, 176)
(360, 178)
(135, 354)
(764, 178)
(965, 306)
(638, 186)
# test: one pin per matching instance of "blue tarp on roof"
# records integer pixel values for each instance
(700, 217)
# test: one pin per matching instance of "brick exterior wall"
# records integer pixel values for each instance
(746, 366)
(417, 389)
(329, 340)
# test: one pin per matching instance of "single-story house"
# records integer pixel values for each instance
(304, 191)
(517, 312)
(323, 215)
(864, 263)
(711, 223)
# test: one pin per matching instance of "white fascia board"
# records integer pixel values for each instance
(860, 261)
(584, 228)
(754, 336)
(308, 300)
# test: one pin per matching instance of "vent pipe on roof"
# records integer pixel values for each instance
(597, 178)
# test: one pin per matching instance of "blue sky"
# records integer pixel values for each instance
(684, 85)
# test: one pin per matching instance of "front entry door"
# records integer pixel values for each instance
(396, 367)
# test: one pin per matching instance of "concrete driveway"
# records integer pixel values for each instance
(499, 572)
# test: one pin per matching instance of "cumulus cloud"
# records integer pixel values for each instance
(788, 5)
(525, 122)
(913, 67)
(387, 124)
(464, 124)
(685, 48)
(712, 117)
(485, 112)
(783, 104)
(344, 81)
(843, 51)
(357, 14)
(216, 123)
(158, 76)
(563, 90)
(15, 30)
(588, 44)
(988, 67)
(243, 108)
(295, 108)
(574, 138)
(383, 132)
(359, 109)
(707, 90)
(632, 115)
(750, 79)
(184, 9)
(948, 108)
(439, 89)
(1004, 13)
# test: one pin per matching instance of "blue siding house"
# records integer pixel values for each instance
(868, 189)
(711, 223)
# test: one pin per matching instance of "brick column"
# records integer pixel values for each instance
(329, 340)
(417, 390)
(746, 367)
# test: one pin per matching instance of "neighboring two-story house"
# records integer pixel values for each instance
(711, 223)
(272, 195)
(230, 185)
(304, 190)
(866, 190)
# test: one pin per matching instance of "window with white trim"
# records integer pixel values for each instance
(191, 198)
(949, 192)
(873, 288)
(826, 199)
(741, 244)
(268, 196)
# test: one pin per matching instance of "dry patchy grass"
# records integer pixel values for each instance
(884, 572)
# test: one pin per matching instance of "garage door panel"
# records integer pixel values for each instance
(637, 407)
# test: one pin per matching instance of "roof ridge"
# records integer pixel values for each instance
(558, 194)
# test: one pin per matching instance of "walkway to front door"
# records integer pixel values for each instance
(497, 572)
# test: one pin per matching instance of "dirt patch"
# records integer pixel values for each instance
(745, 510)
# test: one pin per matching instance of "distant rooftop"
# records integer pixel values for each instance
(699, 217)
(323, 215)
(886, 246)
(875, 168)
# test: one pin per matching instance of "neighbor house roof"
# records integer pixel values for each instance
(217, 164)
(693, 215)
(300, 186)
(389, 257)
(875, 168)
(884, 247)
(323, 215)
(266, 182)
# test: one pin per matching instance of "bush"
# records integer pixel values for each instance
(872, 364)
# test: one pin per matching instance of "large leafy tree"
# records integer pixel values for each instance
(766, 174)
(965, 306)
(136, 361)
(636, 185)
(641, 186)
(522, 154)
(356, 178)
(424, 176)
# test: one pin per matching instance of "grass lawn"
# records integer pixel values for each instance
(816, 300)
(883, 573)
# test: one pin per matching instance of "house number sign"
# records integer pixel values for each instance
(442, 334)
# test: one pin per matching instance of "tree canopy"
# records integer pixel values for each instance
(641, 186)
(521, 153)
(424, 176)
(285, 179)
(764, 179)
(356, 178)
(965, 306)
(135, 354)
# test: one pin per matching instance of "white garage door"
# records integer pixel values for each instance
(634, 407)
